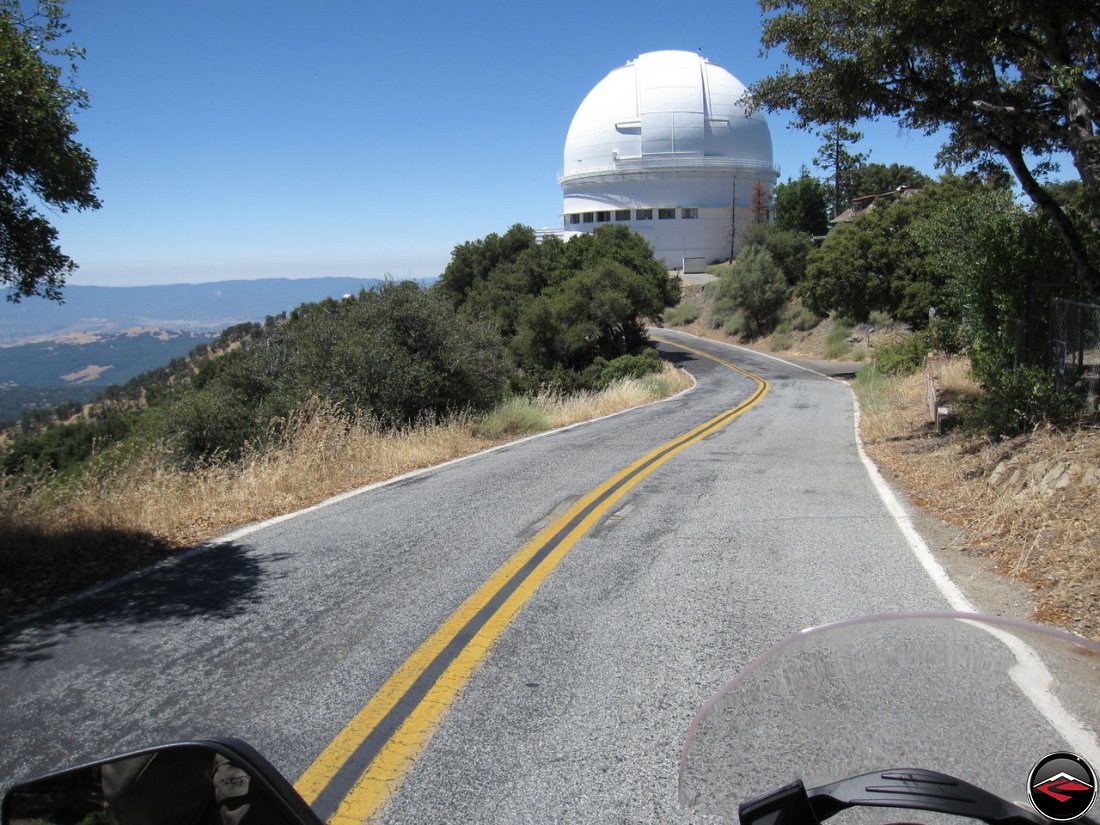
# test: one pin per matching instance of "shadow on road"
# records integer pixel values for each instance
(215, 582)
(41, 565)
(678, 357)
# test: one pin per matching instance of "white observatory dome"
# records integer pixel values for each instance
(662, 141)
(665, 105)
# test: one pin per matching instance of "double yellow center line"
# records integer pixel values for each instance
(363, 766)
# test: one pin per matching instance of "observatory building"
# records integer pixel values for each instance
(664, 146)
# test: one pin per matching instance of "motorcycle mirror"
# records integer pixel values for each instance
(206, 782)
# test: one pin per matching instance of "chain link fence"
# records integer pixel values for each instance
(1075, 344)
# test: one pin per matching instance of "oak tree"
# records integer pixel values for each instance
(41, 163)
(1009, 80)
(802, 205)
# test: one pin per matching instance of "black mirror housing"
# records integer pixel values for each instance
(204, 782)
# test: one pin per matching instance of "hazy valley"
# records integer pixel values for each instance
(50, 353)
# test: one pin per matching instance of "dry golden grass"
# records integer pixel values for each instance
(323, 454)
(622, 395)
(57, 537)
(954, 378)
(1032, 503)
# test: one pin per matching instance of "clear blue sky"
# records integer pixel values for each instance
(264, 138)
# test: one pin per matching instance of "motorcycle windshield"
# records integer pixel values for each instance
(977, 697)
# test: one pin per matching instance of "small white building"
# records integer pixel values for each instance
(664, 145)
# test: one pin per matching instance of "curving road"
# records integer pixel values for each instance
(767, 524)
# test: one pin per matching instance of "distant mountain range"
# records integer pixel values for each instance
(50, 353)
(193, 307)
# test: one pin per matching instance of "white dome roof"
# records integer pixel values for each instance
(662, 109)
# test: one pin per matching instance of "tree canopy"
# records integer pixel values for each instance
(833, 156)
(561, 306)
(876, 178)
(789, 248)
(755, 285)
(41, 162)
(1008, 79)
(874, 262)
(802, 205)
(395, 353)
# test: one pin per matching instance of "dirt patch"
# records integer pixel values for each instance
(56, 338)
(987, 588)
(89, 373)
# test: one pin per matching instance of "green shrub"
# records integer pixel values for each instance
(681, 315)
(561, 302)
(62, 446)
(903, 358)
(789, 249)
(881, 260)
(559, 379)
(393, 353)
(212, 425)
(516, 415)
(781, 341)
(1017, 400)
(836, 342)
(596, 376)
(781, 337)
(631, 366)
(736, 324)
(658, 384)
(593, 313)
(800, 317)
(945, 334)
(756, 286)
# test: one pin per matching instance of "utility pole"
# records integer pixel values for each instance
(836, 171)
(733, 216)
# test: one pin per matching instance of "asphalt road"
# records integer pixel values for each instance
(578, 713)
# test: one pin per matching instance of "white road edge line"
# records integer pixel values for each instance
(951, 591)
(1029, 673)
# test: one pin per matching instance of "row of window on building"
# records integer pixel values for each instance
(663, 214)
